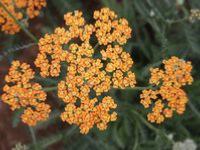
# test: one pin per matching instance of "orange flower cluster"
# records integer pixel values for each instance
(91, 71)
(51, 52)
(21, 92)
(110, 29)
(90, 113)
(168, 96)
(16, 8)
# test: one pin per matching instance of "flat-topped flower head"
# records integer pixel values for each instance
(168, 97)
(21, 92)
(93, 66)
(19, 9)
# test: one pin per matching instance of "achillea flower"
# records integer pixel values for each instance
(17, 9)
(168, 96)
(21, 92)
(91, 71)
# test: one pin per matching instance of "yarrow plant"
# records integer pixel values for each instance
(93, 61)
(21, 10)
(88, 61)
(167, 96)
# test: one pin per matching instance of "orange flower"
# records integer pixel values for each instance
(168, 96)
(21, 92)
(91, 71)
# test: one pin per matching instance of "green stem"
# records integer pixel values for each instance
(48, 89)
(18, 48)
(21, 47)
(177, 21)
(150, 126)
(38, 78)
(135, 146)
(45, 143)
(146, 123)
(192, 107)
(22, 26)
(33, 136)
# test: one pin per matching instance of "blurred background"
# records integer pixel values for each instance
(160, 29)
